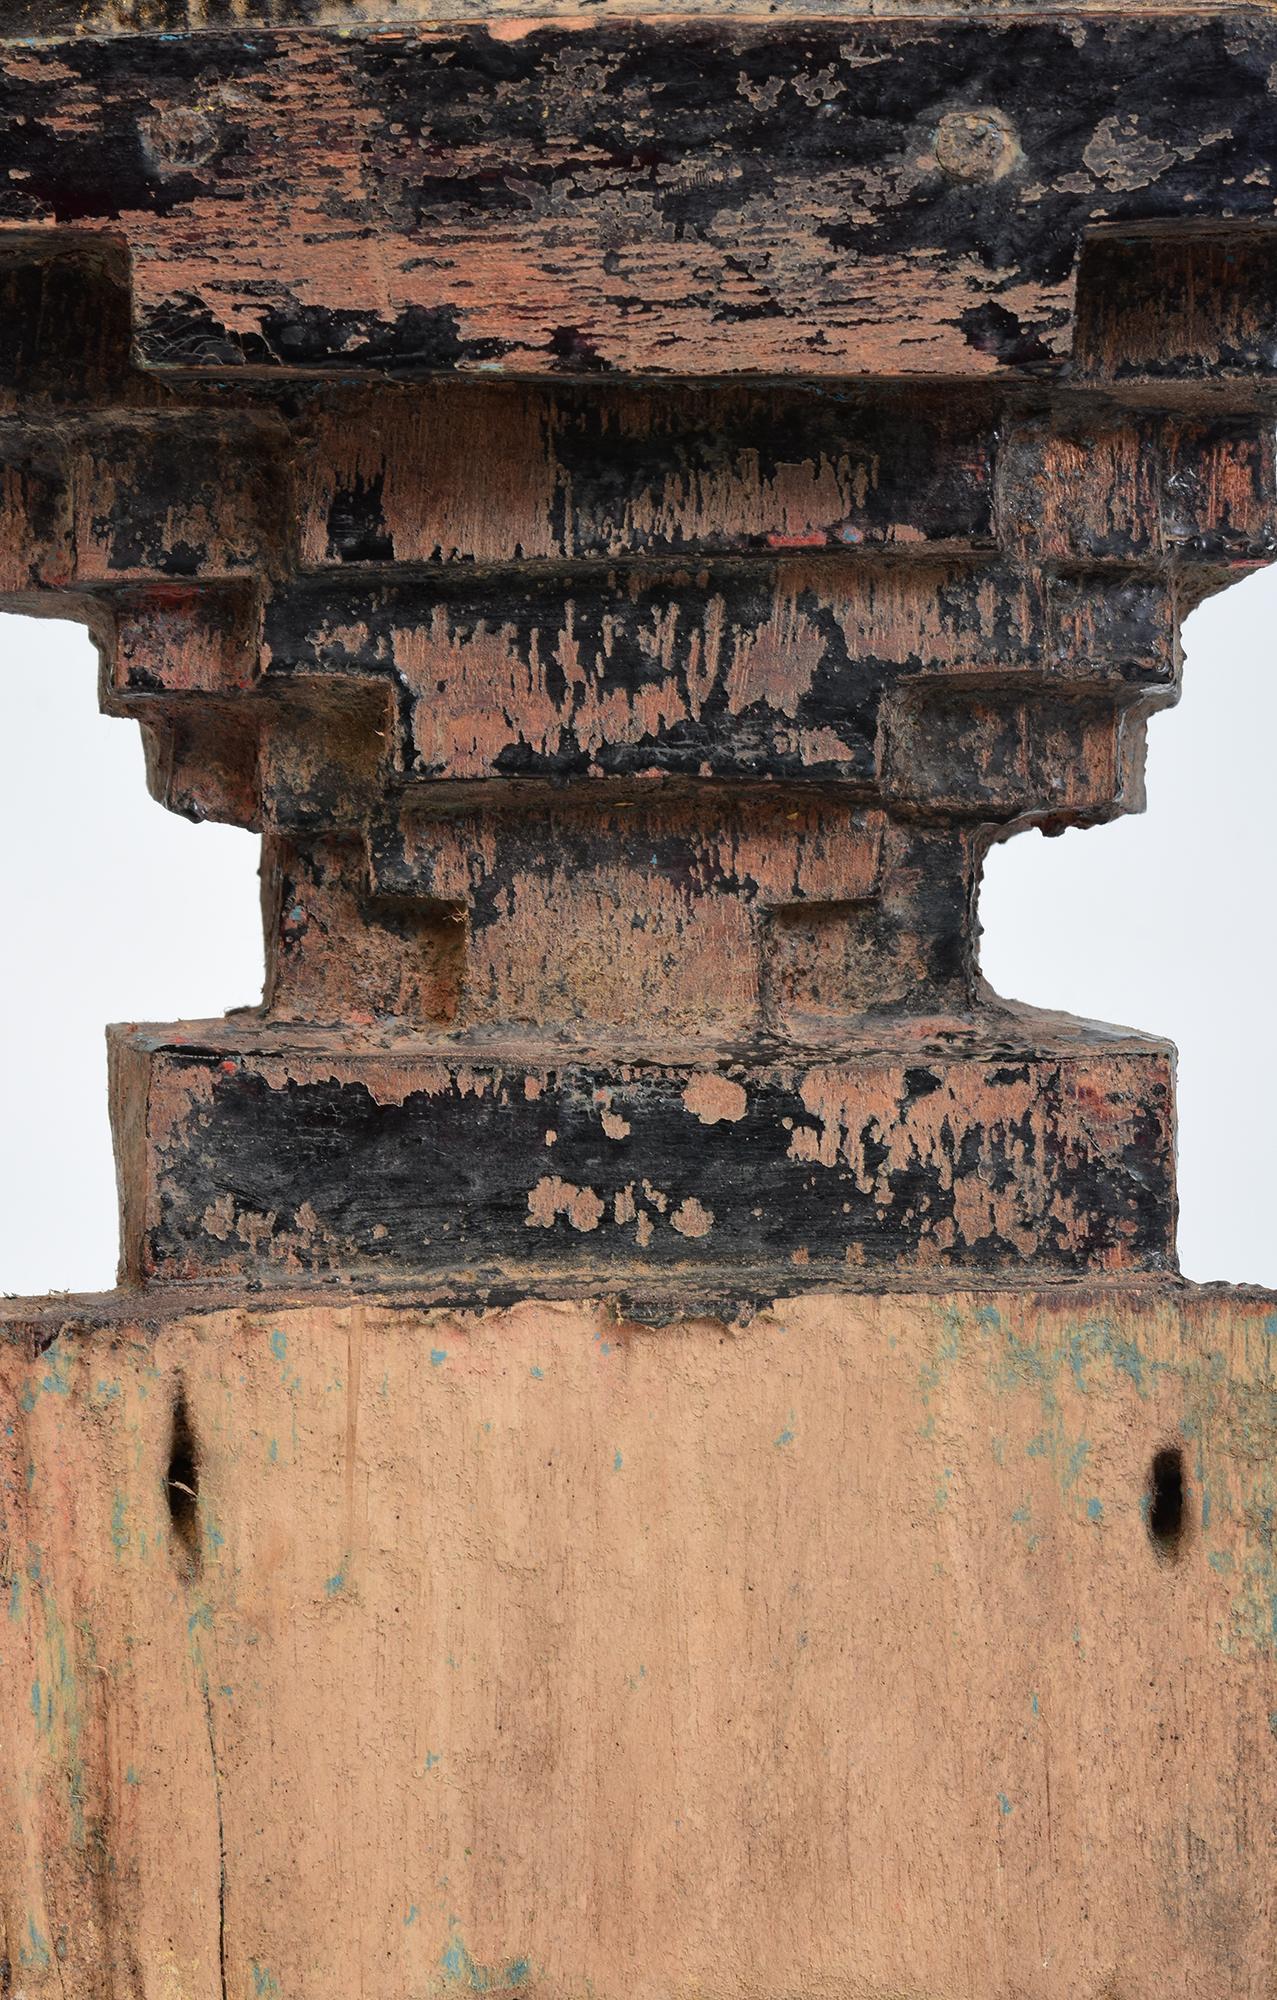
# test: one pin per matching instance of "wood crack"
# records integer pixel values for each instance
(221, 1829)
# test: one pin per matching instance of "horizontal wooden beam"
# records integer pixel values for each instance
(809, 198)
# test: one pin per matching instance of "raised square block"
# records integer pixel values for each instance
(285, 1154)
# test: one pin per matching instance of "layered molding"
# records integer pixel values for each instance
(613, 737)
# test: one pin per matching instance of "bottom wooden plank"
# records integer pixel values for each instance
(918, 1646)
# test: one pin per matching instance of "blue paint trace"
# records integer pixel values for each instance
(38, 1955)
(460, 1969)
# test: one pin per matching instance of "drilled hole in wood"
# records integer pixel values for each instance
(1167, 1510)
(182, 1488)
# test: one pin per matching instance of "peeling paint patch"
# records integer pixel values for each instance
(711, 1097)
(691, 1218)
(553, 1197)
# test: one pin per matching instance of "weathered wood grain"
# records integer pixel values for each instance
(508, 474)
(280, 1155)
(540, 1652)
(146, 501)
(636, 916)
(763, 668)
(1175, 309)
(36, 20)
(670, 197)
(406, 473)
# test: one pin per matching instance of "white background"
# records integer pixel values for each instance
(112, 909)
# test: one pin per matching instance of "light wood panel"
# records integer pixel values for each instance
(536, 1650)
